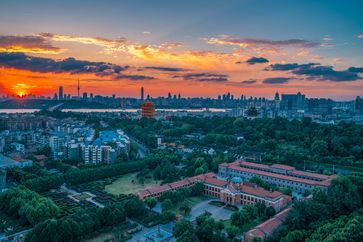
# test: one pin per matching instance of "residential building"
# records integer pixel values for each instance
(6, 162)
(92, 154)
(18, 147)
(56, 144)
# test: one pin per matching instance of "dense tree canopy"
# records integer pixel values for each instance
(281, 140)
(21, 202)
(332, 215)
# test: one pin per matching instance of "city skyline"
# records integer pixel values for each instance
(244, 47)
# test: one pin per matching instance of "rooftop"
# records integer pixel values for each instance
(6, 162)
(237, 166)
(266, 228)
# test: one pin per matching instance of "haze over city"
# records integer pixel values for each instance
(195, 48)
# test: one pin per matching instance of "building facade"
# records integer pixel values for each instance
(277, 175)
(233, 192)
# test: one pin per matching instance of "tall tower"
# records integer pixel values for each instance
(60, 94)
(277, 96)
(142, 94)
(78, 88)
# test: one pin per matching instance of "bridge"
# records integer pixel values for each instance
(54, 108)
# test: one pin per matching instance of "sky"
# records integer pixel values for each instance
(199, 48)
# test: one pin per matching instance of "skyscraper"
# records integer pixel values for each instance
(60, 94)
(142, 94)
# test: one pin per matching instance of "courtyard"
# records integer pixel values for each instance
(218, 213)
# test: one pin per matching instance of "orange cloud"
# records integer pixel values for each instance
(27, 44)
(163, 53)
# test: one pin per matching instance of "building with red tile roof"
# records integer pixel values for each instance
(239, 192)
(265, 229)
(277, 174)
(157, 191)
(233, 192)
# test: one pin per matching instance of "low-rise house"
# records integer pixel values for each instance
(6, 162)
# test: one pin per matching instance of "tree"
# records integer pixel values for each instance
(166, 205)
(260, 182)
(252, 112)
(185, 208)
(206, 229)
(251, 210)
(188, 237)
(167, 216)
(181, 227)
(256, 239)
(343, 196)
(295, 236)
(150, 202)
(134, 207)
(232, 232)
(261, 208)
(270, 211)
(199, 171)
(286, 190)
(239, 219)
(320, 147)
(197, 189)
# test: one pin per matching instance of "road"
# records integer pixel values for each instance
(141, 149)
(15, 236)
(56, 107)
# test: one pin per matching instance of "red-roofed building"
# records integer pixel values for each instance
(277, 174)
(265, 229)
(234, 193)
(237, 193)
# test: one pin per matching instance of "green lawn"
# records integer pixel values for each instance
(128, 184)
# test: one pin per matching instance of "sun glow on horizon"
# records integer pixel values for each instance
(20, 89)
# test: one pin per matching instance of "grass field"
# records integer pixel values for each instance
(128, 184)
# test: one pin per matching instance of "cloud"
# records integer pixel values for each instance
(164, 52)
(161, 68)
(69, 65)
(288, 66)
(254, 60)
(28, 44)
(204, 77)
(277, 80)
(246, 42)
(146, 32)
(315, 71)
(360, 36)
(110, 45)
(250, 81)
(134, 77)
